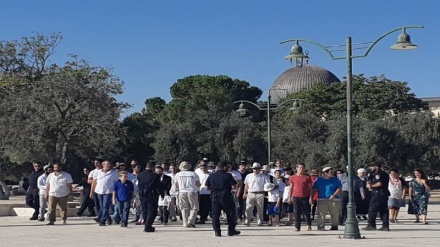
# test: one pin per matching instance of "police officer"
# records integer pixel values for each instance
(150, 188)
(220, 183)
(378, 183)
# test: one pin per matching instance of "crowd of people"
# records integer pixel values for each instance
(244, 193)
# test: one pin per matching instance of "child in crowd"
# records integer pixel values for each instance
(123, 191)
(287, 207)
(164, 206)
(274, 204)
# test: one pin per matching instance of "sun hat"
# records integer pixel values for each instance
(256, 165)
(269, 186)
(326, 168)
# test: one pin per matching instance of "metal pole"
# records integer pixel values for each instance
(351, 224)
(268, 130)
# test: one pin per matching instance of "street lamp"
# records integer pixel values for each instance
(242, 111)
(403, 43)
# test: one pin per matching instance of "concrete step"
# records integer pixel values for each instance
(27, 212)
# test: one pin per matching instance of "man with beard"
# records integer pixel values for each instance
(58, 189)
(42, 190)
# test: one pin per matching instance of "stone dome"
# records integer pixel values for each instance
(301, 78)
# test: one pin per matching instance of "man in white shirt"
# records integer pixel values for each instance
(188, 183)
(92, 174)
(173, 192)
(254, 193)
(58, 189)
(204, 195)
(41, 183)
(102, 187)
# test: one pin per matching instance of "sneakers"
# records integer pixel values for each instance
(174, 219)
(102, 224)
(369, 228)
(190, 226)
(123, 224)
(233, 233)
(246, 223)
(385, 229)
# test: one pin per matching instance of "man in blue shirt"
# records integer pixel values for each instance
(123, 191)
(328, 187)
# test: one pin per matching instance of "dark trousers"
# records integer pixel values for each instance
(301, 206)
(33, 201)
(149, 210)
(97, 205)
(164, 213)
(227, 205)
(344, 203)
(204, 206)
(265, 215)
(314, 205)
(378, 203)
(87, 203)
(241, 206)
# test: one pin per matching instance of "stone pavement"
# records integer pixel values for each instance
(19, 231)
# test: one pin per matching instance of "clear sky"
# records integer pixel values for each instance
(152, 43)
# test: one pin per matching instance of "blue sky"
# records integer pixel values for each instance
(151, 44)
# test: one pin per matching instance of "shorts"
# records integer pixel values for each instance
(287, 208)
(272, 209)
(394, 203)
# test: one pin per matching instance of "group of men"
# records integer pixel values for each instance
(240, 191)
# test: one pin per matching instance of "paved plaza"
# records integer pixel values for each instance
(19, 231)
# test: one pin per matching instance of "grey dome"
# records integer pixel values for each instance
(297, 79)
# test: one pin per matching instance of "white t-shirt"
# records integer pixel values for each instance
(187, 181)
(41, 183)
(273, 195)
(256, 182)
(105, 181)
(164, 201)
(203, 177)
(286, 194)
(237, 174)
(58, 184)
(173, 191)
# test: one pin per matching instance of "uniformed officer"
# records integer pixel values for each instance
(378, 183)
(220, 183)
(150, 188)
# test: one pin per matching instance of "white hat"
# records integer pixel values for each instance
(265, 168)
(286, 176)
(47, 166)
(360, 170)
(326, 168)
(269, 186)
(256, 165)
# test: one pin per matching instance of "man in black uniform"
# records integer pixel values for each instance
(220, 183)
(150, 188)
(32, 197)
(378, 183)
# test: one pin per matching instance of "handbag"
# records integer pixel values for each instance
(411, 209)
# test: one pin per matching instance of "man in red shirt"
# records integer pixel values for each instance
(300, 194)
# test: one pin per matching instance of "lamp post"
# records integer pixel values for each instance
(242, 111)
(403, 43)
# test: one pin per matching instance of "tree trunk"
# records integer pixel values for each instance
(5, 193)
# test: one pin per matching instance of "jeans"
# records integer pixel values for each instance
(301, 206)
(344, 203)
(164, 213)
(97, 204)
(43, 205)
(105, 200)
(122, 210)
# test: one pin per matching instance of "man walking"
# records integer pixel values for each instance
(42, 190)
(300, 194)
(220, 184)
(150, 188)
(254, 193)
(58, 189)
(32, 198)
(188, 183)
(378, 183)
(87, 202)
(102, 186)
